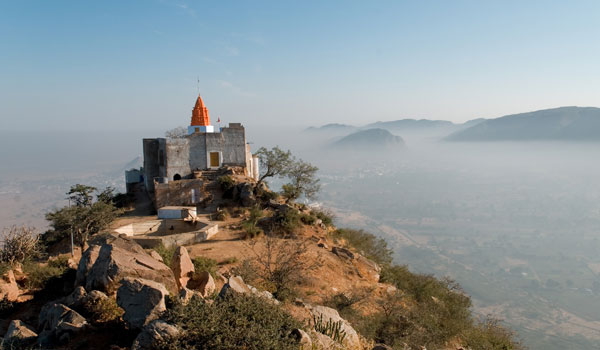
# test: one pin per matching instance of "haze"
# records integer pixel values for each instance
(515, 223)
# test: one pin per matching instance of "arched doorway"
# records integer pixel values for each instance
(176, 177)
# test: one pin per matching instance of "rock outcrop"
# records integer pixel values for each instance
(19, 332)
(303, 339)
(204, 283)
(351, 341)
(142, 300)
(58, 323)
(343, 253)
(106, 262)
(235, 284)
(153, 333)
(182, 266)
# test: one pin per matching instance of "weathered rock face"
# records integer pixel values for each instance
(19, 331)
(143, 300)
(235, 284)
(247, 198)
(107, 262)
(153, 333)
(321, 341)
(76, 298)
(204, 283)
(303, 339)
(58, 323)
(182, 267)
(343, 253)
(9, 288)
(351, 341)
(381, 347)
(156, 256)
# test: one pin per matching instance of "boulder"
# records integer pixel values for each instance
(234, 284)
(246, 193)
(9, 289)
(58, 322)
(351, 341)
(321, 341)
(143, 300)
(106, 262)
(303, 339)
(76, 299)
(156, 256)
(19, 332)
(204, 283)
(153, 333)
(343, 253)
(186, 294)
(182, 266)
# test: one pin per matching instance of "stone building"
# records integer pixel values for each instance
(168, 160)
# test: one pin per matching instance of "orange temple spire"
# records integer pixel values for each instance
(200, 114)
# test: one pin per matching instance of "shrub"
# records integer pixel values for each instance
(104, 310)
(325, 216)
(250, 225)
(491, 335)
(308, 219)
(370, 246)
(439, 311)
(166, 253)
(222, 214)
(226, 182)
(282, 265)
(235, 322)
(287, 220)
(4, 267)
(266, 195)
(19, 244)
(39, 275)
(251, 230)
(205, 264)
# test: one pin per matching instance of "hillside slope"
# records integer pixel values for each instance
(564, 123)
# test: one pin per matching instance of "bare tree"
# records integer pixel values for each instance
(282, 263)
(18, 244)
(176, 133)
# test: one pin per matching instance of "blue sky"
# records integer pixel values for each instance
(102, 65)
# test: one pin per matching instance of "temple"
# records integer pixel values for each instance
(181, 162)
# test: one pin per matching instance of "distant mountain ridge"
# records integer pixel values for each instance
(563, 123)
(412, 124)
(370, 139)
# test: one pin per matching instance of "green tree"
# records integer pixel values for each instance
(86, 217)
(274, 162)
(81, 195)
(303, 181)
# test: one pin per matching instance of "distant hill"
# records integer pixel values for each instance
(333, 127)
(413, 124)
(370, 139)
(564, 123)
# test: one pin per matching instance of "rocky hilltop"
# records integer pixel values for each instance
(277, 275)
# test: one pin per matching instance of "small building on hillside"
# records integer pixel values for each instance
(173, 163)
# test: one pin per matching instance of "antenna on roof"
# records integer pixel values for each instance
(198, 85)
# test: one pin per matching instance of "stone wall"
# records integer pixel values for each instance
(179, 193)
(178, 158)
(150, 149)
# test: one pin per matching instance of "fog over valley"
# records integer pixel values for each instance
(515, 223)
